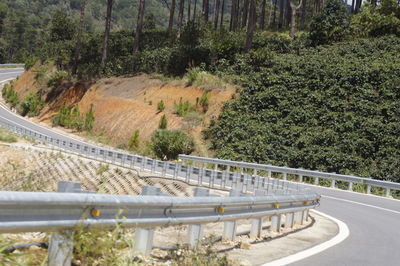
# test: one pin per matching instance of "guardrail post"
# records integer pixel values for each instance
(230, 226)
(350, 187)
(256, 223)
(300, 178)
(368, 189)
(316, 180)
(195, 231)
(144, 236)
(387, 192)
(297, 218)
(61, 243)
(289, 220)
(276, 223)
(333, 183)
(284, 176)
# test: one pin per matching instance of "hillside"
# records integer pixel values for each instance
(332, 108)
(123, 105)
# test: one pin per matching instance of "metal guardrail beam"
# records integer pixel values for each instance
(41, 211)
(202, 177)
(300, 172)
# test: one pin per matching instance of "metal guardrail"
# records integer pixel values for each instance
(65, 212)
(247, 183)
(301, 173)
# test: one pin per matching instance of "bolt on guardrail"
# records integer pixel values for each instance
(70, 207)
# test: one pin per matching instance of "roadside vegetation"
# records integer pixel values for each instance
(317, 90)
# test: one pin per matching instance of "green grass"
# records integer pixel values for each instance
(7, 136)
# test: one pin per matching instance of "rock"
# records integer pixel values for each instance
(245, 245)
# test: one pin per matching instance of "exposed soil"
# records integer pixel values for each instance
(123, 105)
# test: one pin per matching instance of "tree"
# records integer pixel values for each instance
(216, 13)
(89, 119)
(79, 37)
(206, 9)
(330, 25)
(163, 122)
(133, 142)
(106, 34)
(180, 15)
(171, 17)
(139, 26)
(168, 144)
(251, 25)
(222, 13)
(262, 21)
(294, 8)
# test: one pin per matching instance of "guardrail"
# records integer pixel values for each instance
(300, 173)
(72, 208)
(247, 183)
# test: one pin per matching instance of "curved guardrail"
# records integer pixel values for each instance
(71, 208)
(247, 183)
(301, 173)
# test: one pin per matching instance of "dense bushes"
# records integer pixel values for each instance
(330, 25)
(70, 117)
(333, 109)
(168, 144)
(377, 21)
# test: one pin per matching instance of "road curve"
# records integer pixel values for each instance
(373, 221)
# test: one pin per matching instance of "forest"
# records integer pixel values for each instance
(319, 79)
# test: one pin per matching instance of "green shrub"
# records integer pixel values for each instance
(56, 79)
(133, 143)
(381, 20)
(7, 136)
(30, 62)
(163, 122)
(89, 119)
(168, 144)
(10, 95)
(184, 107)
(204, 101)
(330, 25)
(160, 106)
(331, 108)
(31, 105)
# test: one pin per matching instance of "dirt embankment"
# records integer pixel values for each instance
(123, 105)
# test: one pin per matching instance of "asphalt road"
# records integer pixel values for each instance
(373, 221)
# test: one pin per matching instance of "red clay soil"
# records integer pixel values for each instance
(122, 105)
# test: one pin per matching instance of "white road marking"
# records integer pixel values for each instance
(362, 204)
(342, 235)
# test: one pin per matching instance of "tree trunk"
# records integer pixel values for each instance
(180, 15)
(234, 15)
(288, 14)
(358, 5)
(281, 13)
(216, 13)
(206, 9)
(106, 34)
(251, 25)
(194, 10)
(262, 22)
(245, 13)
(189, 7)
(79, 37)
(222, 14)
(139, 26)
(294, 8)
(171, 17)
(353, 6)
(303, 15)
(275, 9)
